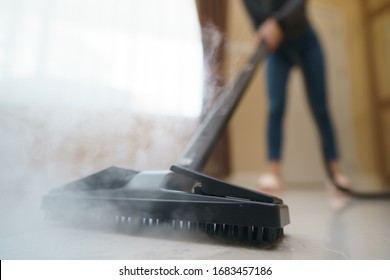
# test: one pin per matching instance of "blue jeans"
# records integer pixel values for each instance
(304, 51)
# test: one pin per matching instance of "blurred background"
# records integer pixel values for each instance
(89, 84)
(355, 35)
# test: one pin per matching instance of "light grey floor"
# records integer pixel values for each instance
(321, 228)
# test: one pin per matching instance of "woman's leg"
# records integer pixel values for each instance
(277, 71)
(313, 68)
(277, 74)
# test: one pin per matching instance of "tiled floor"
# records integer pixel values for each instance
(318, 230)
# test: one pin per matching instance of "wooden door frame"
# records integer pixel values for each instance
(378, 105)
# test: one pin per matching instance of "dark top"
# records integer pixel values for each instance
(291, 14)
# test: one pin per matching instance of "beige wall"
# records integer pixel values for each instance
(340, 27)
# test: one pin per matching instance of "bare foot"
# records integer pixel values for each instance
(270, 183)
(338, 198)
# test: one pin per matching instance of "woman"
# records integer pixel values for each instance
(285, 29)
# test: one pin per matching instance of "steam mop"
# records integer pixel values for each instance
(181, 198)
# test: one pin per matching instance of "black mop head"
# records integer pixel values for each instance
(134, 200)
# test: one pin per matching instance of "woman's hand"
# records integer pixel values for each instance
(271, 33)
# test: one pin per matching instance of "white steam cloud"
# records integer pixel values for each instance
(84, 86)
